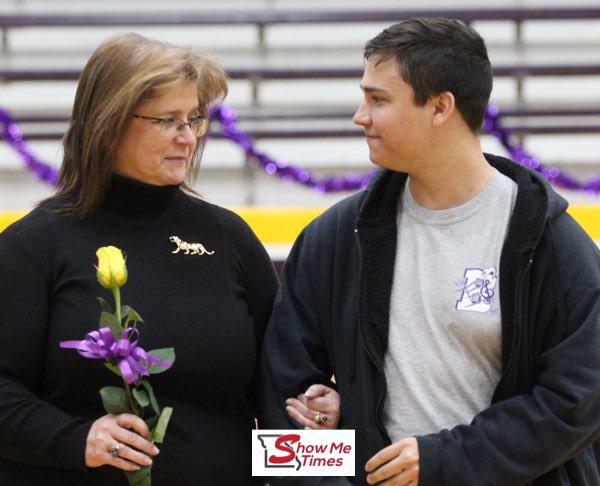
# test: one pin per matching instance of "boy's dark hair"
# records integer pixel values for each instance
(434, 55)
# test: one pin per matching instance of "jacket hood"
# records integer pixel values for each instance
(534, 190)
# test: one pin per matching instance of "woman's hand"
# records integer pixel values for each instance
(318, 408)
(111, 442)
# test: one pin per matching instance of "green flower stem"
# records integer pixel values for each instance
(130, 398)
(117, 295)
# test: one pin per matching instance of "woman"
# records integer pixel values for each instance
(130, 154)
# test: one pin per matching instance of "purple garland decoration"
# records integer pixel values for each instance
(12, 134)
(349, 182)
(493, 126)
(231, 131)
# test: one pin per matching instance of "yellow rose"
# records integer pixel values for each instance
(112, 272)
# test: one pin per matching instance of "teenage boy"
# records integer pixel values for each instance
(455, 301)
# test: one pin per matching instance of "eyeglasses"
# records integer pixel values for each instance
(198, 124)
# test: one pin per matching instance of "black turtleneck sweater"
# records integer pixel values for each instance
(211, 309)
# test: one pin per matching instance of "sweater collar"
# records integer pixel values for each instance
(127, 196)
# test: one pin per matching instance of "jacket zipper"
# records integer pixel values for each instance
(378, 410)
(518, 319)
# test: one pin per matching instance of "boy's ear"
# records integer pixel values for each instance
(444, 106)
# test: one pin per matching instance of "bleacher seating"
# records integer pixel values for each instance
(295, 75)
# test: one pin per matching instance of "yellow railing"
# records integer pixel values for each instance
(282, 225)
(8, 217)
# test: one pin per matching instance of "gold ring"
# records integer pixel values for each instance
(115, 450)
(317, 417)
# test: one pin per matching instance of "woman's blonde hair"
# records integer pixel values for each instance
(124, 71)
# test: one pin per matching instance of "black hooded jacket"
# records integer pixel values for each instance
(331, 317)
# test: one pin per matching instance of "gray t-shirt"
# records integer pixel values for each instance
(444, 356)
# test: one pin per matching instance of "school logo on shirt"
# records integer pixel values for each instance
(478, 289)
(303, 452)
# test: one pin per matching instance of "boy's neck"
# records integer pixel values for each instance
(450, 177)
